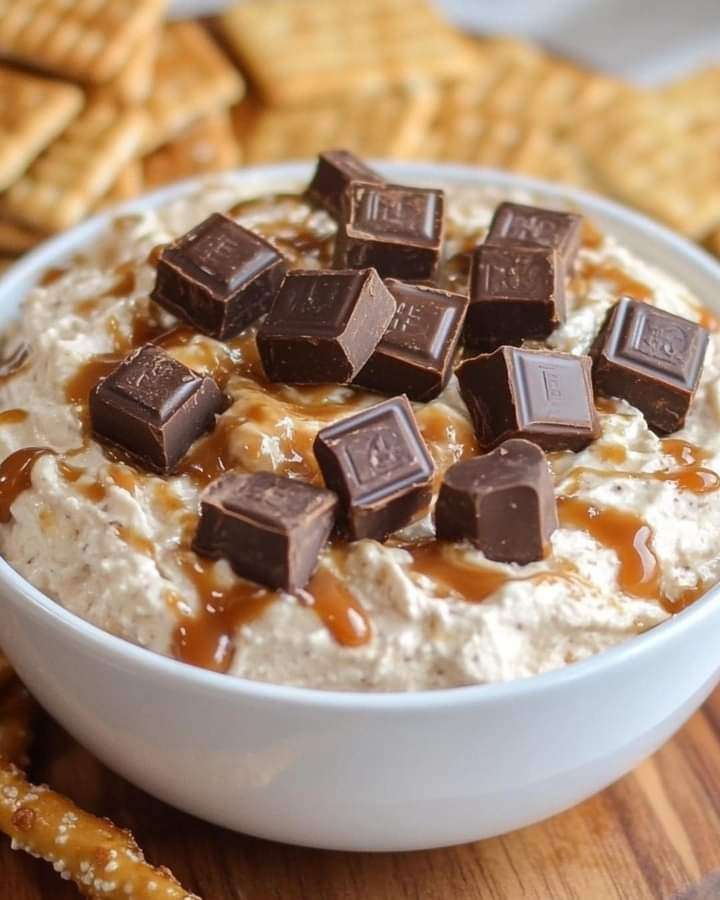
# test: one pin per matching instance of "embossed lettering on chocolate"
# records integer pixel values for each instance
(652, 359)
(516, 293)
(540, 395)
(324, 325)
(334, 171)
(515, 222)
(416, 352)
(398, 230)
(153, 407)
(502, 502)
(219, 277)
(271, 529)
(377, 463)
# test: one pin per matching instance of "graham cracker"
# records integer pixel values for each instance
(87, 40)
(309, 52)
(392, 124)
(33, 111)
(16, 238)
(209, 145)
(646, 156)
(134, 81)
(128, 184)
(193, 78)
(66, 181)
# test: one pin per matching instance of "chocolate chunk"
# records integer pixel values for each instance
(334, 172)
(539, 395)
(559, 231)
(502, 502)
(398, 230)
(416, 352)
(270, 529)
(517, 292)
(650, 358)
(324, 325)
(154, 407)
(378, 464)
(219, 277)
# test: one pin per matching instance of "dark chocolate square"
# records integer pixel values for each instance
(416, 352)
(551, 228)
(334, 172)
(219, 277)
(154, 408)
(378, 464)
(502, 502)
(652, 359)
(542, 396)
(397, 230)
(324, 325)
(270, 529)
(517, 293)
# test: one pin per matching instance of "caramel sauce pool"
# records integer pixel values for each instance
(16, 476)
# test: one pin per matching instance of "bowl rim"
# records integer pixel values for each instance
(53, 250)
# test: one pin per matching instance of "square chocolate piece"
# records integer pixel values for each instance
(396, 229)
(561, 231)
(416, 352)
(517, 292)
(377, 463)
(270, 529)
(652, 359)
(502, 502)
(324, 325)
(334, 172)
(219, 277)
(154, 408)
(542, 396)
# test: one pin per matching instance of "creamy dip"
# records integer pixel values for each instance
(640, 516)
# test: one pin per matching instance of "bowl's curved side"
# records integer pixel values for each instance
(359, 771)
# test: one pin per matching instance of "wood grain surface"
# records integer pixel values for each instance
(655, 835)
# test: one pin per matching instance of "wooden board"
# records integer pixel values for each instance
(653, 836)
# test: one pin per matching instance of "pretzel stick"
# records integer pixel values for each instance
(103, 860)
(17, 708)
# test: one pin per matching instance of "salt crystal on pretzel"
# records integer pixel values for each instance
(101, 859)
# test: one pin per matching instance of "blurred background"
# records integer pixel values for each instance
(99, 102)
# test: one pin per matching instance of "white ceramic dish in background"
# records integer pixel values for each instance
(367, 771)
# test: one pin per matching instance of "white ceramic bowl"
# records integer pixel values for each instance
(367, 771)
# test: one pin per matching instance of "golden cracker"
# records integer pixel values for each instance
(88, 40)
(388, 125)
(133, 82)
(648, 158)
(15, 238)
(33, 111)
(309, 52)
(697, 96)
(193, 78)
(128, 184)
(207, 146)
(66, 181)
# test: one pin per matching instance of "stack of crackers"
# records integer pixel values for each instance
(100, 100)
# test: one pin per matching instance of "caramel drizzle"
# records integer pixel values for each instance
(16, 476)
(620, 281)
(13, 416)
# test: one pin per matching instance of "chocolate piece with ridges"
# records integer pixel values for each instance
(377, 463)
(416, 352)
(270, 529)
(324, 325)
(502, 502)
(397, 230)
(652, 359)
(517, 293)
(219, 277)
(153, 407)
(542, 396)
(559, 231)
(334, 172)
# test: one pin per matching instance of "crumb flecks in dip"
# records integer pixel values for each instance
(111, 543)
